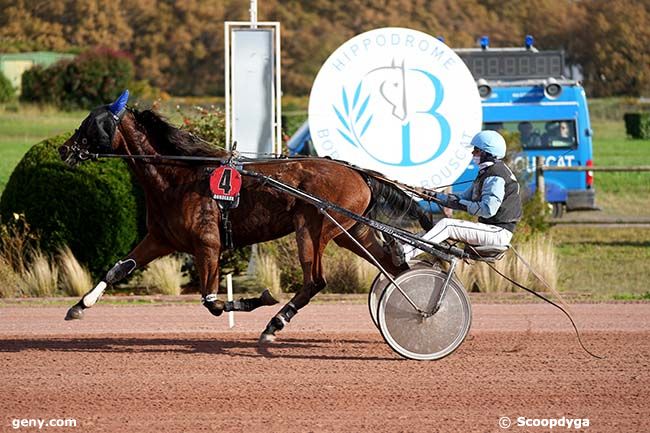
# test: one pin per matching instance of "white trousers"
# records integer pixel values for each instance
(465, 231)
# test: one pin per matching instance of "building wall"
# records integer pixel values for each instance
(13, 65)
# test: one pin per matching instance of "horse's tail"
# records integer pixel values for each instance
(393, 204)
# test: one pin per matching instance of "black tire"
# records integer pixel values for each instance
(558, 210)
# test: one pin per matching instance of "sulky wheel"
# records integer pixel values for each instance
(417, 336)
(379, 284)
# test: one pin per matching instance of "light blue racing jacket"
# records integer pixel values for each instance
(484, 203)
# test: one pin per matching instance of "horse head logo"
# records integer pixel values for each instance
(391, 84)
(393, 88)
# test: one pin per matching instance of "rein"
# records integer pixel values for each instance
(154, 159)
(206, 160)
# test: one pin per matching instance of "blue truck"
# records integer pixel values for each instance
(525, 95)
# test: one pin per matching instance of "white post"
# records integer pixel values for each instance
(231, 314)
(226, 36)
(253, 12)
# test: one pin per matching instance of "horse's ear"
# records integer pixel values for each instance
(119, 105)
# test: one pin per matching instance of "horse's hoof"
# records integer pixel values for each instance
(266, 339)
(267, 298)
(75, 313)
(216, 311)
(215, 307)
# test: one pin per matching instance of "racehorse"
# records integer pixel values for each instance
(183, 216)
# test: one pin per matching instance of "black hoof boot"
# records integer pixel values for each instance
(267, 298)
(268, 336)
(213, 305)
(75, 312)
(250, 304)
(277, 323)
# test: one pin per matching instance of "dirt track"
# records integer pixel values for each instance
(176, 368)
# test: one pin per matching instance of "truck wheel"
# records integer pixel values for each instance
(558, 210)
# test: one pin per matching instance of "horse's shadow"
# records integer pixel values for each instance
(289, 348)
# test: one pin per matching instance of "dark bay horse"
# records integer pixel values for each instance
(182, 215)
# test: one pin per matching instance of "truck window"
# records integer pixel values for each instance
(554, 134)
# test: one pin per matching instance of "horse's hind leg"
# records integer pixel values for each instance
(311, 245)
(312, 239)
(146, 251)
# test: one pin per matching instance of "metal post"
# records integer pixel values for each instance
(278, 92)
(539, 176)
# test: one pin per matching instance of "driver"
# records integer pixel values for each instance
(493, 197)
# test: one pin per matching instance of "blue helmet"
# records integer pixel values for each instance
(490, 142)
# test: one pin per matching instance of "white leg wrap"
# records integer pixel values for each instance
(93, 296)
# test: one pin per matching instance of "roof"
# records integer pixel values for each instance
(44, 58)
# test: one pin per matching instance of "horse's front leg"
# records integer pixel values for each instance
(206, 260)
(146, 251)
(207, 263)
(250, 304)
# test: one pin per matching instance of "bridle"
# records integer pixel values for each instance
(78, 152)
(86, 151)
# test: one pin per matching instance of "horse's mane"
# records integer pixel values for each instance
(170, 140)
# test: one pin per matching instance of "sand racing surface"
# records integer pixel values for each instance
(175, 367)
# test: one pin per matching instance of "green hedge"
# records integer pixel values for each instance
(43, 85)
(7, 91)
(94, 208)
(637, 125)
(90, 80)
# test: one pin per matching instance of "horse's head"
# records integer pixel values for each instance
(96, 133)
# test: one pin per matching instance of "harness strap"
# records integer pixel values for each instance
(226, 227)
